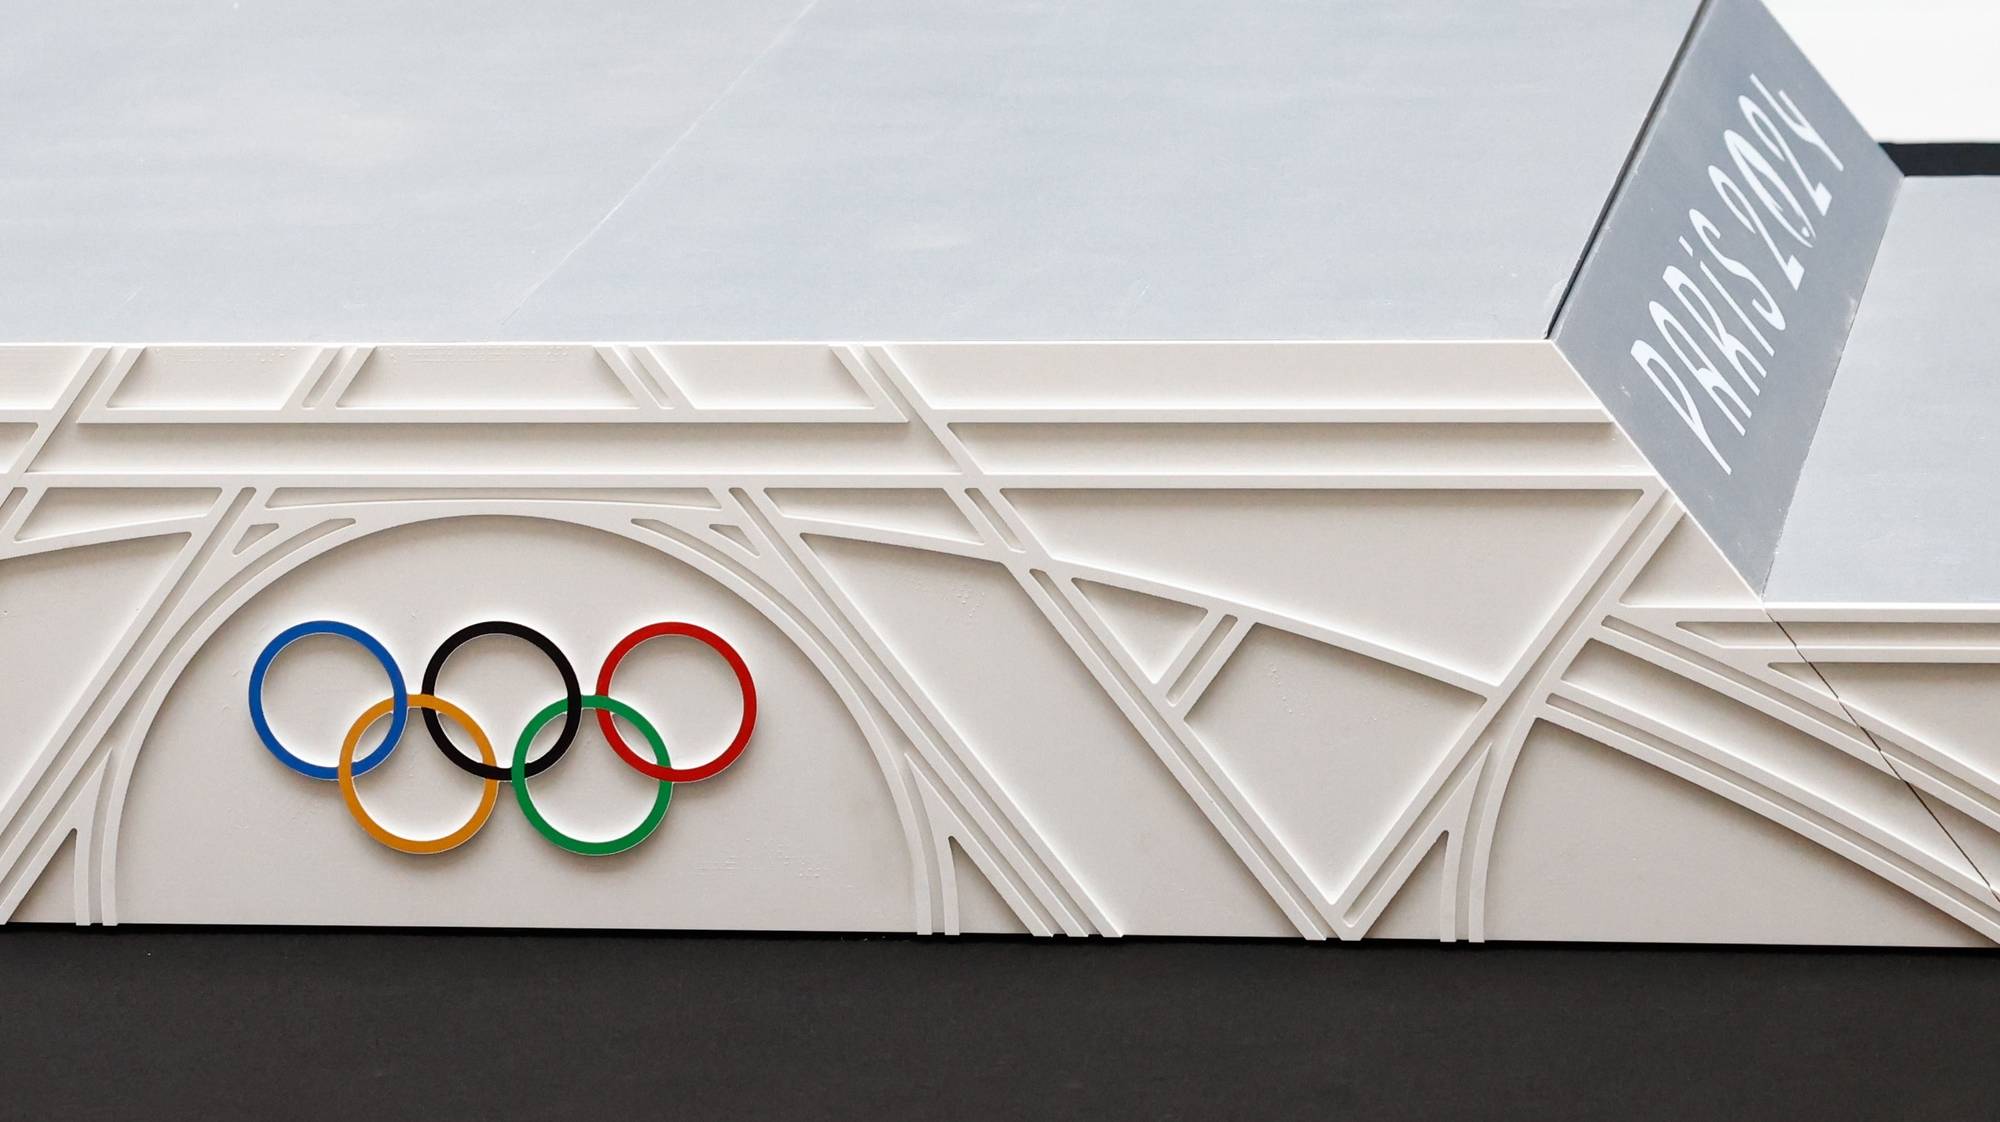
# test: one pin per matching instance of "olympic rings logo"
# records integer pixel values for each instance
(569, 707)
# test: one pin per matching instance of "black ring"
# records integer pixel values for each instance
(572, 693)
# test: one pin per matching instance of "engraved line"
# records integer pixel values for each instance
(1726, 680)
(1890, 763)
(1575, 710)
(921, 730)
(855, 362)
(54, 768)
(165, 668)
(89, 372)
(131, 531)
(652, 365)
(1061, 607)
(329, 392)
(1467, 755)
(905, 703)
(8, 501)
(1192, 646)
(1797, 790)
(1208, 661)
(1223, 807)
(638, 387)
(1002, 879)
(322, 360)
(1646, 527)
(62, 825)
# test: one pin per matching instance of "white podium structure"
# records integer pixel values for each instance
(1336, 470)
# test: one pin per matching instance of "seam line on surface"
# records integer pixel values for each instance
(719, 98)
(1887, 762)
(1624, 176)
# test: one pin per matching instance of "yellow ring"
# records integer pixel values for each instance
(375, 829)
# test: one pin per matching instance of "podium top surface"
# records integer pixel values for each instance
(1899, 500)
(211, 171)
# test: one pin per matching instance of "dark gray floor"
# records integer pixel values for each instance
(312, 1024)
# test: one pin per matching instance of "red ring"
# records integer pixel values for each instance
(729, 655)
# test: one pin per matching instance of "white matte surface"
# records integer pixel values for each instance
(208, 171)
(1362, 639)
(1912, 70)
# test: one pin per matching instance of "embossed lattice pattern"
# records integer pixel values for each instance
(1326, 639)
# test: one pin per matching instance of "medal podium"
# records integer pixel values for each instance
(1324, 472)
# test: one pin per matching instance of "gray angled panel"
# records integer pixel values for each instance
(1711, 311)
(1897, 503)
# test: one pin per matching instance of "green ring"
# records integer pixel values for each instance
(541, 825)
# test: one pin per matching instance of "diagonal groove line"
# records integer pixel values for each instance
(1702, 663)
(880, 400)
(1190, 646)
(57, 826)
(1299, 906)
(978, 498)
(197, 554)
(1889, 762)
(1041, 868)
(1004, 878)
(639, 388)
(1383, 884)
(147, 687)
(1155, 728)
(818, 637)
(1582, 712)
(1653, 517)
(658, 378)
(340, 375)
(131, 531)
(633, 190)
(255, 567)
(322, 361)
(34, 791)
(811, 632)
(1204, 653)
(1649, 518)
(83, 385)
(1434, 823)
(1013, 533)
(94, 904)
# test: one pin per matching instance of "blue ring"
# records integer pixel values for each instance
(399, 716)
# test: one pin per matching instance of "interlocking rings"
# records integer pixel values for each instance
(662, 771)
(572, 696)
(570, 707)
(382, 833)
(399, 696)
(604, 706)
